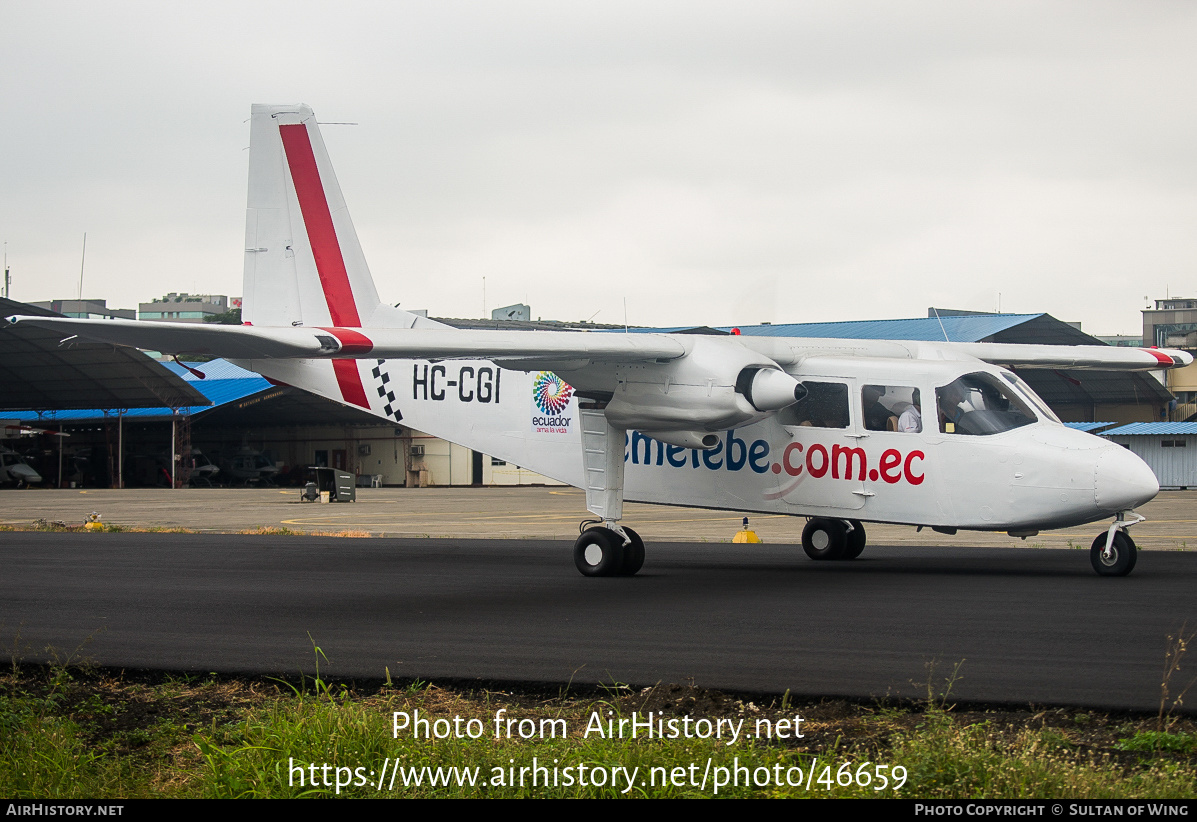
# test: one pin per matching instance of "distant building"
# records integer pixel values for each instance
(1121, 340)
(1173, 324)
(519, 311)
(186, 308)
(87, 309)
(1170, 448)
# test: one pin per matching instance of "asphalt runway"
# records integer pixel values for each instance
(1027, 626)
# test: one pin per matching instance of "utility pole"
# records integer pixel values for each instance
(82, 260)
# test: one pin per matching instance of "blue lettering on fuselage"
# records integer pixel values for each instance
(731, 453)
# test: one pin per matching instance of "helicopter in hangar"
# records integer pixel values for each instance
(842, 432)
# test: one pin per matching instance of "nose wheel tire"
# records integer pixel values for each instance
(1122, 559)
(824, 538)
(600, 552)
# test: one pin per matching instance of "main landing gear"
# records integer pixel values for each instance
(601, 551)
(606, 549)
(1114, 553)
(825, 538)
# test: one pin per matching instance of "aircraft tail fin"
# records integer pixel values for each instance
(303, 262)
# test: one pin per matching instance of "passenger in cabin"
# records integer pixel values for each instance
(953, 404)
(876, 415)
(912, 418)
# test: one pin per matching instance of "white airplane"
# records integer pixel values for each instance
(14, 469)
(841, 432)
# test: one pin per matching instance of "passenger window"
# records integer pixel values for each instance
(891, 408)
(824, 406)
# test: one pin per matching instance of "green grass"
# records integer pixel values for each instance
(1152, 741)
(67, 733)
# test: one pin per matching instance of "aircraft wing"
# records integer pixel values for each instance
(533, 350)
(524, 350)
(790, 351)
(1095, 357)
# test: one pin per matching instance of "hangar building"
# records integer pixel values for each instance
(231, 413)
(1075, 396)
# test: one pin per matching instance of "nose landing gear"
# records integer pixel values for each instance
(1114, 553)
(1118, 559)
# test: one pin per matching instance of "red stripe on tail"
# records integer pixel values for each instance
(334, 279)
(350, 381)
(330, 264)
(351, 341)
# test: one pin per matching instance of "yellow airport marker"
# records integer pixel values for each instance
(744, 535)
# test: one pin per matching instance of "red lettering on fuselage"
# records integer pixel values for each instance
(792, 470)
(849, 455)
(910, 477)
(891, 459)
(821, 469)
(850, 463)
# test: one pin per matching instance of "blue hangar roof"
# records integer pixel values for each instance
(1090, 427)
(970, 328)
(956, 329)
(224, 383)
(1149, 428)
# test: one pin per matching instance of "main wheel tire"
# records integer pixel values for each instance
(1124, 555)
(856, 540)
(633, 554)
(598, 552)
(824, 538)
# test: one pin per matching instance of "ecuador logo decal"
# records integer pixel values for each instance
(551, 396)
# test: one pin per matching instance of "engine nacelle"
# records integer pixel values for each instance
(717, 385)
(769, 389)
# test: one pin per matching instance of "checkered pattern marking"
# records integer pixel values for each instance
(386, 391)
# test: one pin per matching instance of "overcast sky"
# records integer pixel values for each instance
(709, 163)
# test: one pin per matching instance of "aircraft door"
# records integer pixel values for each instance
(899, 425)
(824, 464)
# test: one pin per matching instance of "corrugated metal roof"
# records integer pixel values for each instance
(1149, 428)
(1089, 427)
(970, 328)
(958, 329)
(224, 383)
(214, 370)
(38, 372)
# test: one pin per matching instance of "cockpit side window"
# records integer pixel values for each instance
(824, 406)
(979, 405)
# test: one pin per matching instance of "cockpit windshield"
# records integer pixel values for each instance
(1029, 393)
(979, 404)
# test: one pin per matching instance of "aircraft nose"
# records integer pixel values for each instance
(1122, 481)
